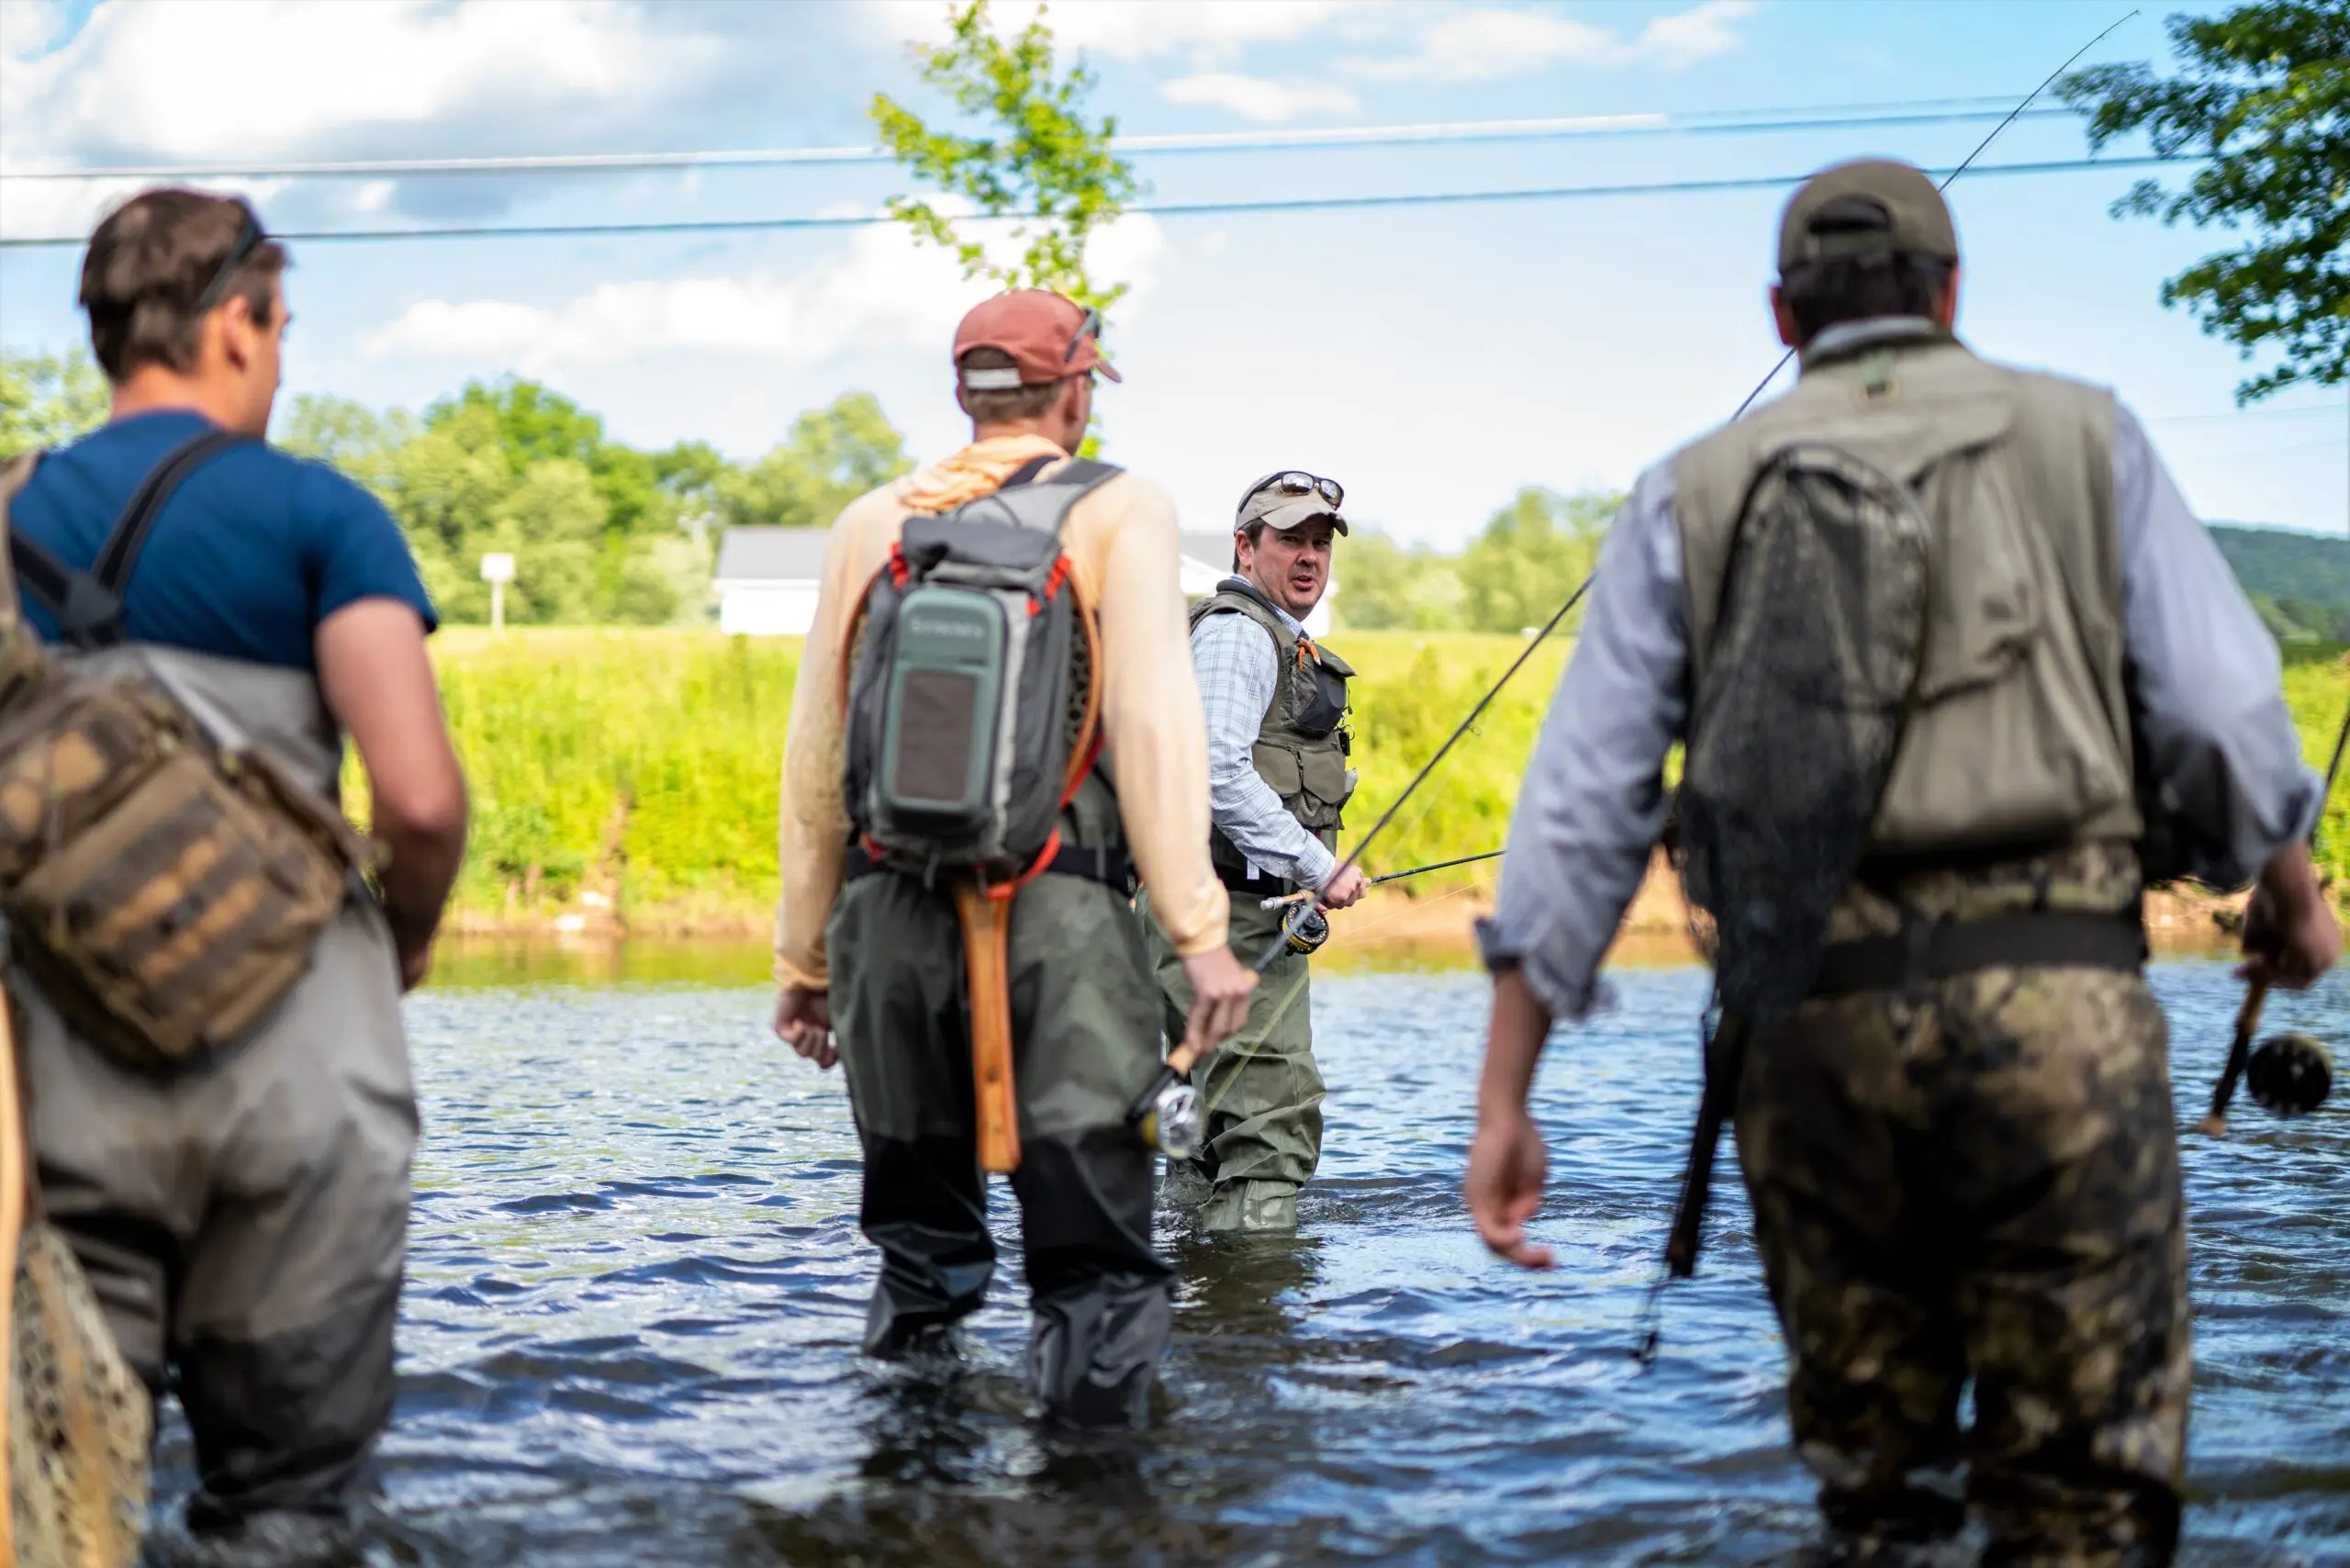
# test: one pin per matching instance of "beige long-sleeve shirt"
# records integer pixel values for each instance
(1120, 539)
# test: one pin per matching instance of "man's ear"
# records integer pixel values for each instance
(1789, 333)
(1946, 312)
(233, 320)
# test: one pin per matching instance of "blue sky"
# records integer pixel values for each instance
(1432, 358)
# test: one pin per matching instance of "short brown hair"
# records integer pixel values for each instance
(148, 267)
(1866, 283)
(1001, 407)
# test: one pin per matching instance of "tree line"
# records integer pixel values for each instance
(602, 532)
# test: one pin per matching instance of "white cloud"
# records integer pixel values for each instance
(1132, 30)
(366, 79)
(886, 293)
(1480, 44)
(150, 76)
(1260, 99)
(1698, 33)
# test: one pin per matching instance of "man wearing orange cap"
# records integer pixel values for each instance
(2008, 680)
(870, 962)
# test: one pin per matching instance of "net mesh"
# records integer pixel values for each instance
(1799, 706)
(79, 1420)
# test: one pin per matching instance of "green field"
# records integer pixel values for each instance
(642, 765)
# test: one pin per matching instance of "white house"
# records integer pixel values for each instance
(767, 580)
(1207, 561)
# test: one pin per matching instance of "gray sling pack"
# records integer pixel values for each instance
(974, 696)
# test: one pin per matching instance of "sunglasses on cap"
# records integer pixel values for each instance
(1088, 326)
(249, 238)
(1296, 482)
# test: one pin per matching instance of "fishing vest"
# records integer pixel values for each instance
(1303, 739)
(2017, 733)
(171, 851)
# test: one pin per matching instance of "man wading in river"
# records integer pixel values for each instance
(209, 1018)
(1277, 777)
(944, 621)
(1954, 1120)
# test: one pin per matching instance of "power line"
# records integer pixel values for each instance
(1573, 128)
(1166, 210)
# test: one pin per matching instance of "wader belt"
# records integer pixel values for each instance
(1111, 867)
(1946, 949)
(1255, 882)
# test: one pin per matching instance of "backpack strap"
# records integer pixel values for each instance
(87, 605)
(1078, 478)
(1027, 471)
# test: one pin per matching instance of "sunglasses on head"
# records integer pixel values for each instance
(1088, 326)
(1296, 482)
(249, 237)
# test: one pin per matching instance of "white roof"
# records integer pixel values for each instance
(771, 554)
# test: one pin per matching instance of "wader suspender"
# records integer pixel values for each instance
(88, 605)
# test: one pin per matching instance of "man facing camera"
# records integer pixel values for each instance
(1276, 780)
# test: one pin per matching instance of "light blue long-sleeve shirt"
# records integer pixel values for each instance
(2206, 703)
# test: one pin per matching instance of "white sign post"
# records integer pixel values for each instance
(497, 570)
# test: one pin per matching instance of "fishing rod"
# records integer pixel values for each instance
(1724, 1046)
(1168, 1108)
(2288, 1074)
(1303, 893)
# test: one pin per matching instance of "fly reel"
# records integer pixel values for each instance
(1305, 928)
(1171, 1125)
(2289, 1075)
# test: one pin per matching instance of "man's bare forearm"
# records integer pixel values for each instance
(422, 860)
(1513, 1047)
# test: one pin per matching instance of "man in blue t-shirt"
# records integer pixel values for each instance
(244, 1224)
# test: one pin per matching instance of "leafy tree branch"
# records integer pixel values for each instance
(2263, 93)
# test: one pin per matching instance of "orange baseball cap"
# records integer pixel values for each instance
(1049, 337)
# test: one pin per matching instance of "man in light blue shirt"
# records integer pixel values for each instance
(1960, 1146)
(1278, 778)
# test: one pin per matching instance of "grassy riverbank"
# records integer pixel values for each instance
(627, 777)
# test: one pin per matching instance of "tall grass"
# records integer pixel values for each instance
(2318, 691)
(643, 764)
(639, 765)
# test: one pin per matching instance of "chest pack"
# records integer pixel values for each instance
(975, 690)
(164, 879)
(1303, 742)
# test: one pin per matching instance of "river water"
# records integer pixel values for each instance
(636, 1290)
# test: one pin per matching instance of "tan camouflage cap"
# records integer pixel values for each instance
(1920, 222)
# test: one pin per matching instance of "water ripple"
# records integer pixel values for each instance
(637, 1289)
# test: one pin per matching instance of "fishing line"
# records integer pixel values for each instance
(1155, 1100)
(2013, 116)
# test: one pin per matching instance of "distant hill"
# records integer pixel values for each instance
(2300, 582)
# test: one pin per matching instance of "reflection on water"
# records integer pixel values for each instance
(637, 1290)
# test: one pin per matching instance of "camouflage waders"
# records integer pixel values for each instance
(1085, 1043)
(1261, 1091)
(1978, 1177)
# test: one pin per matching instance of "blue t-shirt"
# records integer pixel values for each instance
(250, 552)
